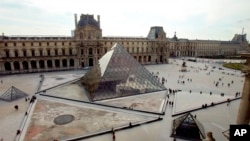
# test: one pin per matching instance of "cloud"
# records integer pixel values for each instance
(244, 20)
(129, 17)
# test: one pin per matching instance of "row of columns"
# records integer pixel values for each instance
(41, 64)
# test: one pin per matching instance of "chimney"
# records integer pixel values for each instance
(75, 20)
(98, 20)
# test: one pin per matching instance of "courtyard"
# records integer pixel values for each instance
(205, 81)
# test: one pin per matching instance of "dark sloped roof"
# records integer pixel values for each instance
(240, 38)
(154, 32)
(87, 20)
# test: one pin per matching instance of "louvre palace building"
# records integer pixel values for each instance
(24, 54)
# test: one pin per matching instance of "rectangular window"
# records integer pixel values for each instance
(41, 52)
(33, 52)
(24, 53)
(48, 52)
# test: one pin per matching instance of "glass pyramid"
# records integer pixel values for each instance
(118, 74)
(12, 94)
(187, 127)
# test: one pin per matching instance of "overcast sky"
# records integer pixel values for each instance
(192, 19)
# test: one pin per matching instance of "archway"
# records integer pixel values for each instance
(82, 64)
(145, 59)
(149, 58)
(140, 60)
(161, 59)
(91, 61)
(16, 66)
(49, 64)
(71, 63)
(57, 63)
(64, 62)
(25, 65)
(41, 64)
(7, 66)
(33, 64)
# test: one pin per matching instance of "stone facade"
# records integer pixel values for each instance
(21, 54)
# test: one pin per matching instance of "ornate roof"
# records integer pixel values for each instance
(88, 20)
(240, 38)
(155, 31)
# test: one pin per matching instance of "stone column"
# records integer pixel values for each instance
(21, 65)
(244, 108)
(61, 65)
(67, 63)
(37, 65)
(45, 64)
(53, 64)
(29, 65)
(12, 66)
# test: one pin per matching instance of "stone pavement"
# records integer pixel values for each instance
(201, 76)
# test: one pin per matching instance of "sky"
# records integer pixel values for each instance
(191, 19)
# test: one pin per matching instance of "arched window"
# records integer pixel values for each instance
(7, 66)
(49, 64)
(33, 64)
(57, 63)
(25, 65)
(91, 61)
(64, 63)
(71, 62)
(41, 64)
(16, 66)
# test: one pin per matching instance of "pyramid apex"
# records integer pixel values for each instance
(116, 45)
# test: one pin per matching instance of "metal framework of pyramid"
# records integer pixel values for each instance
(118, 74)
(188, 127)
(12, 94)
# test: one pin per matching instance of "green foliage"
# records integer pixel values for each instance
(236, 66)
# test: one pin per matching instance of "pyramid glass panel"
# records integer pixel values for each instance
(121, 75)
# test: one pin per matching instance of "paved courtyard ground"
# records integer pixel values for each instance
(201, 77)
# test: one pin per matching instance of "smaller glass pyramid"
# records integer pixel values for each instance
(12, 94)
(188, 127)
(118, 74)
